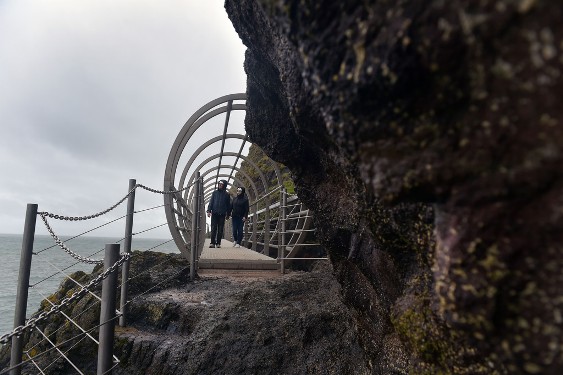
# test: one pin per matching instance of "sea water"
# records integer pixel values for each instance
(50, 264)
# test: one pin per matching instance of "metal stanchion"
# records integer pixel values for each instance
(283, 217)
(254, 227)
(107, 312)
(267, 225)
(245, 237)
(200, 218)
(23, 286)
(127, 249)
(201, 223)
(195, 236)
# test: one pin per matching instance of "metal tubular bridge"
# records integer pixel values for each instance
(206, 151)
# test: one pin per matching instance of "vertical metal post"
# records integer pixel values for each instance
(197, 216)
(127, 249)
(245, 237)
(23, 285)
(194, 238)
(200, 219)
(107, 311)
(283, 218)
(267, 225)
(254, 227)
(201, 223)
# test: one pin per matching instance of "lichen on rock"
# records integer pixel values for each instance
(427, 138)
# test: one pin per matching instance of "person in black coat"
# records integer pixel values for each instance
(239, 214)
(219, 209)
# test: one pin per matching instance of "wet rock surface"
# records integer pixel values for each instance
(224, 322)
(427, 138)
(233, 324)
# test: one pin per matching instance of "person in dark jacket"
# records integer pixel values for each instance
(219, 209)
(239, 214)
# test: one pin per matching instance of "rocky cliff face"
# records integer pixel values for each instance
(427, 137)
(224, 322)
(243, 324)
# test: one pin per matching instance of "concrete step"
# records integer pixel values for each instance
(231, 258)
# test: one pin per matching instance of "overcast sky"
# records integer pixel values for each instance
(94, 92)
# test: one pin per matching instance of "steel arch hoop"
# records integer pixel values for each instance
(205, 189)
(198, 151)
(203, 174)
(212, 187)
(199, 122)
(213, 157)
(216, 139)
(193, 123)
(180, 219)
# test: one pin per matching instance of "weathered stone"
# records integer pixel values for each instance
(294, 324)
(217, 324)
(427, 138)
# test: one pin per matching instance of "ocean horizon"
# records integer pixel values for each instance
(51, 264)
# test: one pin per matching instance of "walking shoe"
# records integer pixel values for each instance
(234, 244)
(237, 245)
(212, 245)
(218, 246)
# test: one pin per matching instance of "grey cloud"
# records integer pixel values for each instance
(94, 93)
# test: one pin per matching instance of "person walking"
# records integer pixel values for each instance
(239, 214)
(219, 209)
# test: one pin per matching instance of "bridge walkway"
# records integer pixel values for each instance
(234, 258)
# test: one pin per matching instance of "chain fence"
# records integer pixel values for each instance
(32, 322)
(45, 344)
(45, 350)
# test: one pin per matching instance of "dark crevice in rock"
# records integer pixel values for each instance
(427, 140)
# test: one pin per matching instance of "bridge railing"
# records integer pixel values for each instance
(279, 221)
(37, 343)
(280, 225)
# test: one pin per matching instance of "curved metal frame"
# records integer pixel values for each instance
(179, 207)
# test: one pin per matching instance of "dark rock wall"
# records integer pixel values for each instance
(427, 138)
(149, 271)
(228, 325)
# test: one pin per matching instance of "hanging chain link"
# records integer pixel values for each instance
(162, 191)
(31, 323)
(63, 246)
(80, 218)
